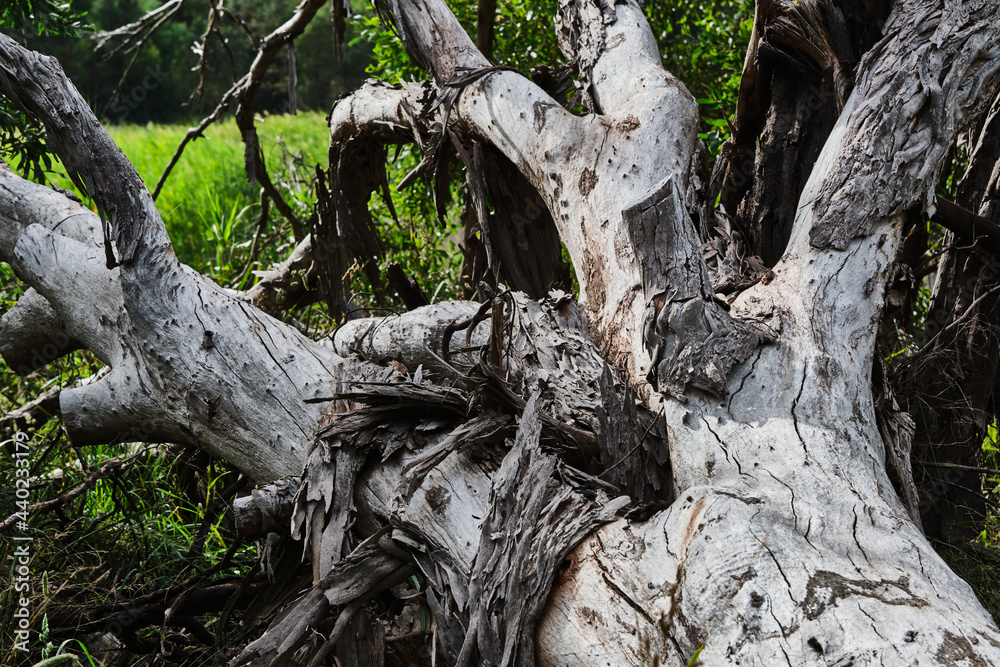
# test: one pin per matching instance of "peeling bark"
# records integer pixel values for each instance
(478, 444)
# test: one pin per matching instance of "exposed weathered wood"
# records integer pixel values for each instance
(785, 543)
(363, 642)
(161, 327)
(32, 334)
(910, 120)
(266, 509)
(813, 422)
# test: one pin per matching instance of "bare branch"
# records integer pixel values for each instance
(971, 228)
(242, 93)
(134, 41)
(254, 156)
(38, 84)
(136, 32)
(32, 414)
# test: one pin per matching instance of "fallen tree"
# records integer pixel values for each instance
(689, 463)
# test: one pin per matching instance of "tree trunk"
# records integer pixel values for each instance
(658, 474)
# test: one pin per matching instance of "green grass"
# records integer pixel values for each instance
(207, 204)
(209, 208)
(210, 211)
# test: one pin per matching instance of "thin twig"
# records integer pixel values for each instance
(959, 319)
(137, 46)
(110, 467)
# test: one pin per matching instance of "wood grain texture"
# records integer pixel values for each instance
(775, 535)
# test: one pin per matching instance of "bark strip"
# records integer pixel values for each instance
(531, 526)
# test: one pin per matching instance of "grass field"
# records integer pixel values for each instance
(207, 203)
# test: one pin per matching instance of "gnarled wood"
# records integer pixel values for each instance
(773, 537)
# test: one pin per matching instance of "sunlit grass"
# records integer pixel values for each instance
(207, 203)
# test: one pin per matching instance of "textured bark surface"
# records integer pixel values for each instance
(721, 459)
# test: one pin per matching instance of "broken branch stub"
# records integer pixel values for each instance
(691, 339)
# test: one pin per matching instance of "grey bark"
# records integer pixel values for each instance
(774, 536)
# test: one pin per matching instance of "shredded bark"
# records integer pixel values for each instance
(325, 501)
(580, 31)
(897, 140)
(267, 509)
(532, 524)
(344, 231)
(633, 445)
(366, 571)
(897, 428)
(798, 73)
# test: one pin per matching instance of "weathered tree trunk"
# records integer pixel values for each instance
(773, 534)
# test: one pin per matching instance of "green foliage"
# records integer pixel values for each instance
(428, 249)
(42, 17)
(208, 198)
(991, 460)
(165, 71)
(131, 535)
(22, 140)
(389, 60)
(524, 34)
